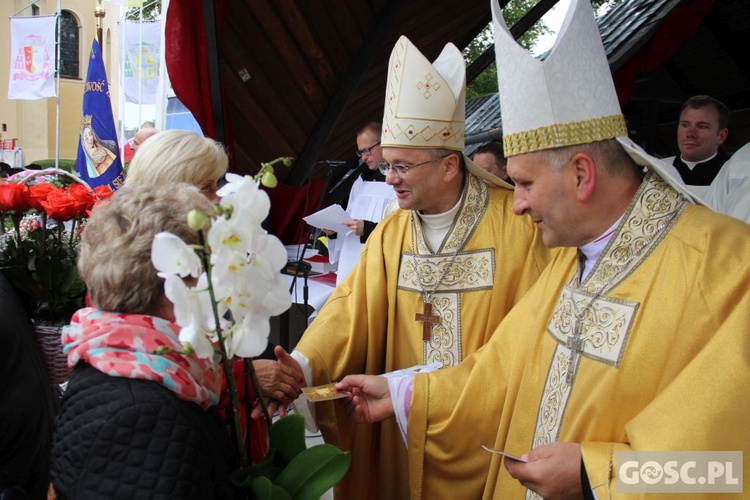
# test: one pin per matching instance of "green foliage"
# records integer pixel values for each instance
(290, 470)
(151, 11)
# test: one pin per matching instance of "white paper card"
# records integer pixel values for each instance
(329, 218)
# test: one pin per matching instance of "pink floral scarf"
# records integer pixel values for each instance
(123, 345)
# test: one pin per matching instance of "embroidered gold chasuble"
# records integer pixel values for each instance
(368, 324)
(660, 363)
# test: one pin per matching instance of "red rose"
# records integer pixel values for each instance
(39, 192)
(83, 196)
(60, 205)
(14, 197)
(103, 192)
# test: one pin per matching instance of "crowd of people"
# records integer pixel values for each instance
(562, 297)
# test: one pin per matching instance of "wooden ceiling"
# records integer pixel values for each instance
(299, 77)
(317, 70)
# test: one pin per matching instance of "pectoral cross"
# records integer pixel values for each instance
(428, 319)
(575, 344)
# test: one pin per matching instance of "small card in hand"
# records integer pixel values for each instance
(506, 455)
(322, 393)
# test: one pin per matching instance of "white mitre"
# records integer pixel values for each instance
(425, 103)
(567, 99)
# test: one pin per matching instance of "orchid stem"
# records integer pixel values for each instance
(256, 388)
(226, 363)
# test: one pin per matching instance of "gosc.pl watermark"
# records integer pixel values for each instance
(679, 471)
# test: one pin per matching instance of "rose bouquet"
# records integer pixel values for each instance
(224, 293)
(41, 217)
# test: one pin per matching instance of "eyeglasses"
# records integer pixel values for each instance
(366, 151)
(400, 169)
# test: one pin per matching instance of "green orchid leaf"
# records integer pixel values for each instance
(314, 471)
(264, 489)
(245, 477)
(287, 438)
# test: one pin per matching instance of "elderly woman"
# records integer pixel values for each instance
(135, 424)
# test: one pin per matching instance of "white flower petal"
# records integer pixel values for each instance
(170, 254)
(201, 345)
(250, 338)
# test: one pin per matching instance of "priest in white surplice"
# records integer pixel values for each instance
(368, 199)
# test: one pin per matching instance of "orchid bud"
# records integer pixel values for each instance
(269, 180)
(287, 160)
(197, 220)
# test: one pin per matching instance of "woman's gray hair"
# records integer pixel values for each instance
(114, 256)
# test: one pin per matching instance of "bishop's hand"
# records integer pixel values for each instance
(553, 470)
(369, 398)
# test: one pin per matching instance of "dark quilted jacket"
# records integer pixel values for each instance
(123, 438)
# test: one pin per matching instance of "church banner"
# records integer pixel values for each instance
(141, 45)
(32, 58)
(98, 161)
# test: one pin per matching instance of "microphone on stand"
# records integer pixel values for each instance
(355, 169)
(333, 163)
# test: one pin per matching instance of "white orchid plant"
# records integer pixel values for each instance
(224, 291)
(242, 277)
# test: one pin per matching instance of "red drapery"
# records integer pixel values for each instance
(186, 56)
(288, 206)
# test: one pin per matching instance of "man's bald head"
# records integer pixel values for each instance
(141, 136)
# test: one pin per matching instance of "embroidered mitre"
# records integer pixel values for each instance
(424, 102)
(567, 99)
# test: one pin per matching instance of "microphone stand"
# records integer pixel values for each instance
(300, 267)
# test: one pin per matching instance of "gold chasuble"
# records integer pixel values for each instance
(661, 321)
(485, 263)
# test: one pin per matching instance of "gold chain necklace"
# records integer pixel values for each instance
(427, 317)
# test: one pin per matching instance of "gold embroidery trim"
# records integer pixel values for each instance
(469, 271)
(445, 343)
(565, 134)
(605, 326)
(655, 208)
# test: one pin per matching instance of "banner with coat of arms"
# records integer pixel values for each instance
(32, 57)
(141, 46)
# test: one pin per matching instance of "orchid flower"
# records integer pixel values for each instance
(170, 254)
(189, 314)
